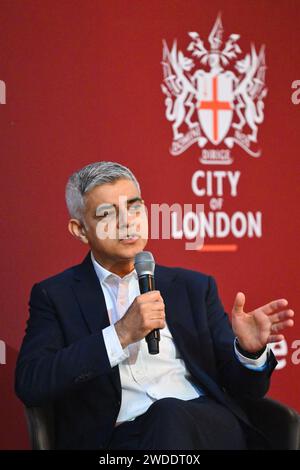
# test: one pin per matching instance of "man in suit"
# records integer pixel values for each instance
(84, 350)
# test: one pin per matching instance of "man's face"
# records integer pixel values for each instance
(114, 212)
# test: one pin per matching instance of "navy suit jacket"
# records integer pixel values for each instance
(63, 359)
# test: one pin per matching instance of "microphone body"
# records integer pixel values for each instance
(147, 284)
(144, 265)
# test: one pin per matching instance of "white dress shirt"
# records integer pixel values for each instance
(145, 378)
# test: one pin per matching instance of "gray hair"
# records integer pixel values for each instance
(87, 178)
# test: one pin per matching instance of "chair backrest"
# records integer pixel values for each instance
(279, 422)
(40, 423)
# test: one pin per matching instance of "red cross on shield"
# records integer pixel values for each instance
(215, 105)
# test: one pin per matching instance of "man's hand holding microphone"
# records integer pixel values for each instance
(146, 315)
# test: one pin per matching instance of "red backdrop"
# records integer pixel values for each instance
(81, 82)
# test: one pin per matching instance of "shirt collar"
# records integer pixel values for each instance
(104, 275)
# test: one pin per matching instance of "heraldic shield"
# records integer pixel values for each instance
(215, 104)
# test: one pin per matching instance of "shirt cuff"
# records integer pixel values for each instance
(115, 352)
(254, 364)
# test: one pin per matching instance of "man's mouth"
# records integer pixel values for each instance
(129, 238)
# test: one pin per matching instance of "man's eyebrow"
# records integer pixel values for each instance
(134, 199)
(110, 206)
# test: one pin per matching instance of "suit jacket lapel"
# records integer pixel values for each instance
(89, 293)
(90, 296)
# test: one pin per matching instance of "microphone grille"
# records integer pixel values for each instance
(144, 263)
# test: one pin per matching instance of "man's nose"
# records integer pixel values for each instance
(125, 218)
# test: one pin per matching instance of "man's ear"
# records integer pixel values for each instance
(77, 230)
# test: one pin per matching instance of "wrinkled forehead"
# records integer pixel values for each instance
(116, 193)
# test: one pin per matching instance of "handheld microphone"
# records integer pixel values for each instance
(144, 265)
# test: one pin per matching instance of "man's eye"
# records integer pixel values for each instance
(105, 214)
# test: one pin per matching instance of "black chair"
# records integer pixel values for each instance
(279, 422)
(40, 424)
